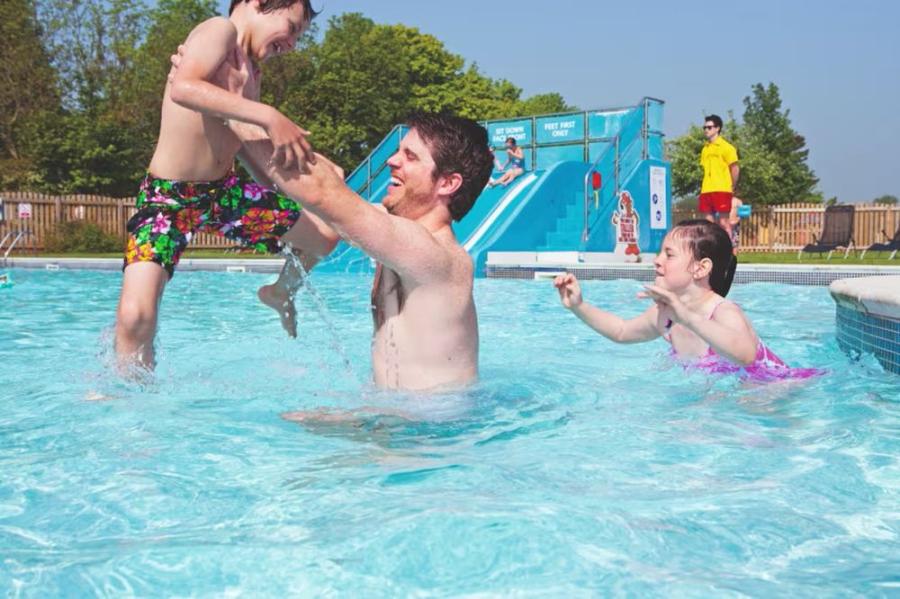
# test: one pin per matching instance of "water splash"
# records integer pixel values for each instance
(319, 303)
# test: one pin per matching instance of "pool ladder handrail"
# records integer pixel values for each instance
(19, 236)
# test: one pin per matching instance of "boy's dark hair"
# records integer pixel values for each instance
(269, 5)
(511, 140)
(715, 120)
(458, 145)
(709, 240)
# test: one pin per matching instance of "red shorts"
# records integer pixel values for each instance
(716, 201)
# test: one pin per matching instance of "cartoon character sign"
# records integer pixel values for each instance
(626, 221)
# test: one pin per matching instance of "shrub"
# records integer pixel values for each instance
(83, 237)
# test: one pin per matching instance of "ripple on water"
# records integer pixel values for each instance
(574, 468)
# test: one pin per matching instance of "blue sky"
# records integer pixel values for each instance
(837, 64)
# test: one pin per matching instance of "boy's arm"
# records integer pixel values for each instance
(399, 243)
(201, 56)
(615, 328)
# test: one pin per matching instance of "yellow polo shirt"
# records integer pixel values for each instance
(717, 158)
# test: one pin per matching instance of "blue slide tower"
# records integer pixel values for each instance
(595, 184)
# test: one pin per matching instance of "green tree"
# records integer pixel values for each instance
(363, 78)
(886, 199)
(769, 128)
(27, 88)
(544, 104)
(116, 54)
(348, 87)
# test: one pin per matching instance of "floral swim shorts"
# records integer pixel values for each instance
(169, 213)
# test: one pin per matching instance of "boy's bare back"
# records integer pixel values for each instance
(193, 145)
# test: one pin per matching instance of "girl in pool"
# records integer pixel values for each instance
(694, 271)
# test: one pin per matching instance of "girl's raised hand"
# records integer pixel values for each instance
(666, 300)
(569, 290)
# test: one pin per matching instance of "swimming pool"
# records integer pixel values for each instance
(576, 468)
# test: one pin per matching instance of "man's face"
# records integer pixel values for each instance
(412, 188)
(276, 32)
(710, 130)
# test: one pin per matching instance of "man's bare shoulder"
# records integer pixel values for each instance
(462, 269)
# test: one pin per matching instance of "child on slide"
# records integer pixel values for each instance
(694, 271)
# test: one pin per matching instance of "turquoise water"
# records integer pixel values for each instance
(576, 468)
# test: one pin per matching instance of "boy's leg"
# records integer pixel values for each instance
(311, 240)
(142, 287)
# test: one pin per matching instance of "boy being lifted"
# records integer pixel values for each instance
(191, 185)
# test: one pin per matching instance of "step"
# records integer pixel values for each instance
(562, 241)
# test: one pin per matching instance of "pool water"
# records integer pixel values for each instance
(575, 468)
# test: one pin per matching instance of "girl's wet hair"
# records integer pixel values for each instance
(709, 240)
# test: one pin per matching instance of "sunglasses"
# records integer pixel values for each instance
(709, 126)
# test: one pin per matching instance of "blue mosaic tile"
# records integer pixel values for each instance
(860, 333)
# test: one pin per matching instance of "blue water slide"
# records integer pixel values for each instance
(550, 207)
(526, 214)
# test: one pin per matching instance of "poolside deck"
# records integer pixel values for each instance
(511, 265)
(602, 266)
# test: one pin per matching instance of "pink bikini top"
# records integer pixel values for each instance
(766, 366)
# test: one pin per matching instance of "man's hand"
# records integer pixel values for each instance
(292, 150)
(322, 179)
(569, 290)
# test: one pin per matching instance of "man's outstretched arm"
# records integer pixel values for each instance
(400, 244)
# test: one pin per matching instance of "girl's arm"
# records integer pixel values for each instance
(728, 332)
(615, 328)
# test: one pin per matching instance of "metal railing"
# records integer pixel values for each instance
(12, 245)
(618, 152)
(614, 147)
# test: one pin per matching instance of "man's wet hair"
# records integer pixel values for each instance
(708, 240)
(271, 5)
(715, 120)
(457, 145)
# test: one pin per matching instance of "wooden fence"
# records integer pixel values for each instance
(775, 228)
(789, 227)
(47, 211)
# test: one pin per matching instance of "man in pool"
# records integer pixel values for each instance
(426, 329)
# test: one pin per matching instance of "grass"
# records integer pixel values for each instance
(837, 259)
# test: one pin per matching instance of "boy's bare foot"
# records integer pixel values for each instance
(278, 299)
